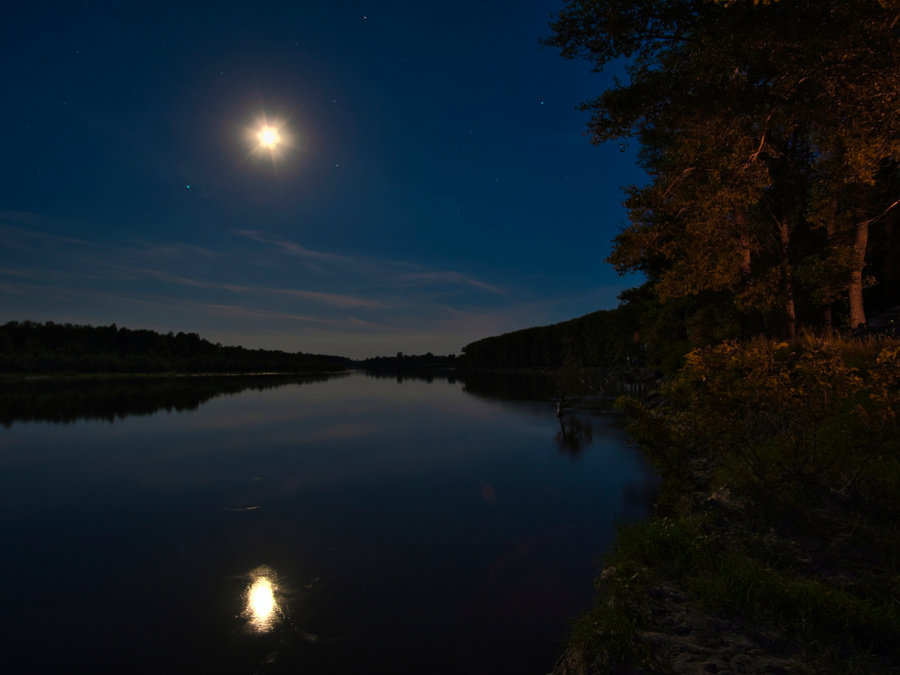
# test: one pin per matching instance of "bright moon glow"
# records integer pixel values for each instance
(262, 599)
(268, 137)
(261, 610)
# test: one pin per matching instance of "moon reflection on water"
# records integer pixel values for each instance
(262, 609)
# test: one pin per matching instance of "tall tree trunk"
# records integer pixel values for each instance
(827, 316)
(740, 221)
(887, 276)
(787, 272)
(855, 288)
(753, 323)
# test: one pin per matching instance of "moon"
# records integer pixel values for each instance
(268, 137)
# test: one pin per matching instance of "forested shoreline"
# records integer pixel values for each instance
(768, 232)
(601, 339)
(29, 347)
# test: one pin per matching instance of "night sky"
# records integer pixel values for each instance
(433, 183)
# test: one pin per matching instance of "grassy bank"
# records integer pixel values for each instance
(775, 541)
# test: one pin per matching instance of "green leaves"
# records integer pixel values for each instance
(778, 411)
(771, 134)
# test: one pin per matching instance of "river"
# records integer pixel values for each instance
(342, 524)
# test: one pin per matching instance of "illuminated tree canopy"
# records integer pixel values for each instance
(770, 132)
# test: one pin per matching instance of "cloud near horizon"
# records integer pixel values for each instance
(258, 296)
(220, 292)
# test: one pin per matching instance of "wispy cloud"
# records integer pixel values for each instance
(153, 303)
(176, 251)
(10, 289)
(27, 226)
(452, 278)
(386, 272)
(291, 247)
(179, 280)
(270, 291)
(22, 218)
(331, 299)
(243, 312)
(20, 274)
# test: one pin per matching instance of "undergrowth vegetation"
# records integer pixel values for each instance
(778, 517)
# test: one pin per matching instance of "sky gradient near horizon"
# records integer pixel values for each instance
(434, 184)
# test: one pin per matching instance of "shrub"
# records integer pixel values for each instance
(774, 411)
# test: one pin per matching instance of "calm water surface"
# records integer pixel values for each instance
(351, 525)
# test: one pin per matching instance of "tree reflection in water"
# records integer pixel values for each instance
(66, 400)
(574, 432)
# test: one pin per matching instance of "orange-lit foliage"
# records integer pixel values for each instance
(770, 412)
(770, 132)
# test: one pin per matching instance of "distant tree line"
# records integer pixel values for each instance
(604, 339)
(411, 364)
(30, 347)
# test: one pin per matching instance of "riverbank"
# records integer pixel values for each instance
(774, 544)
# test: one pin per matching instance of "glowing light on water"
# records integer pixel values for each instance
(261, 600)
(261, 608)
